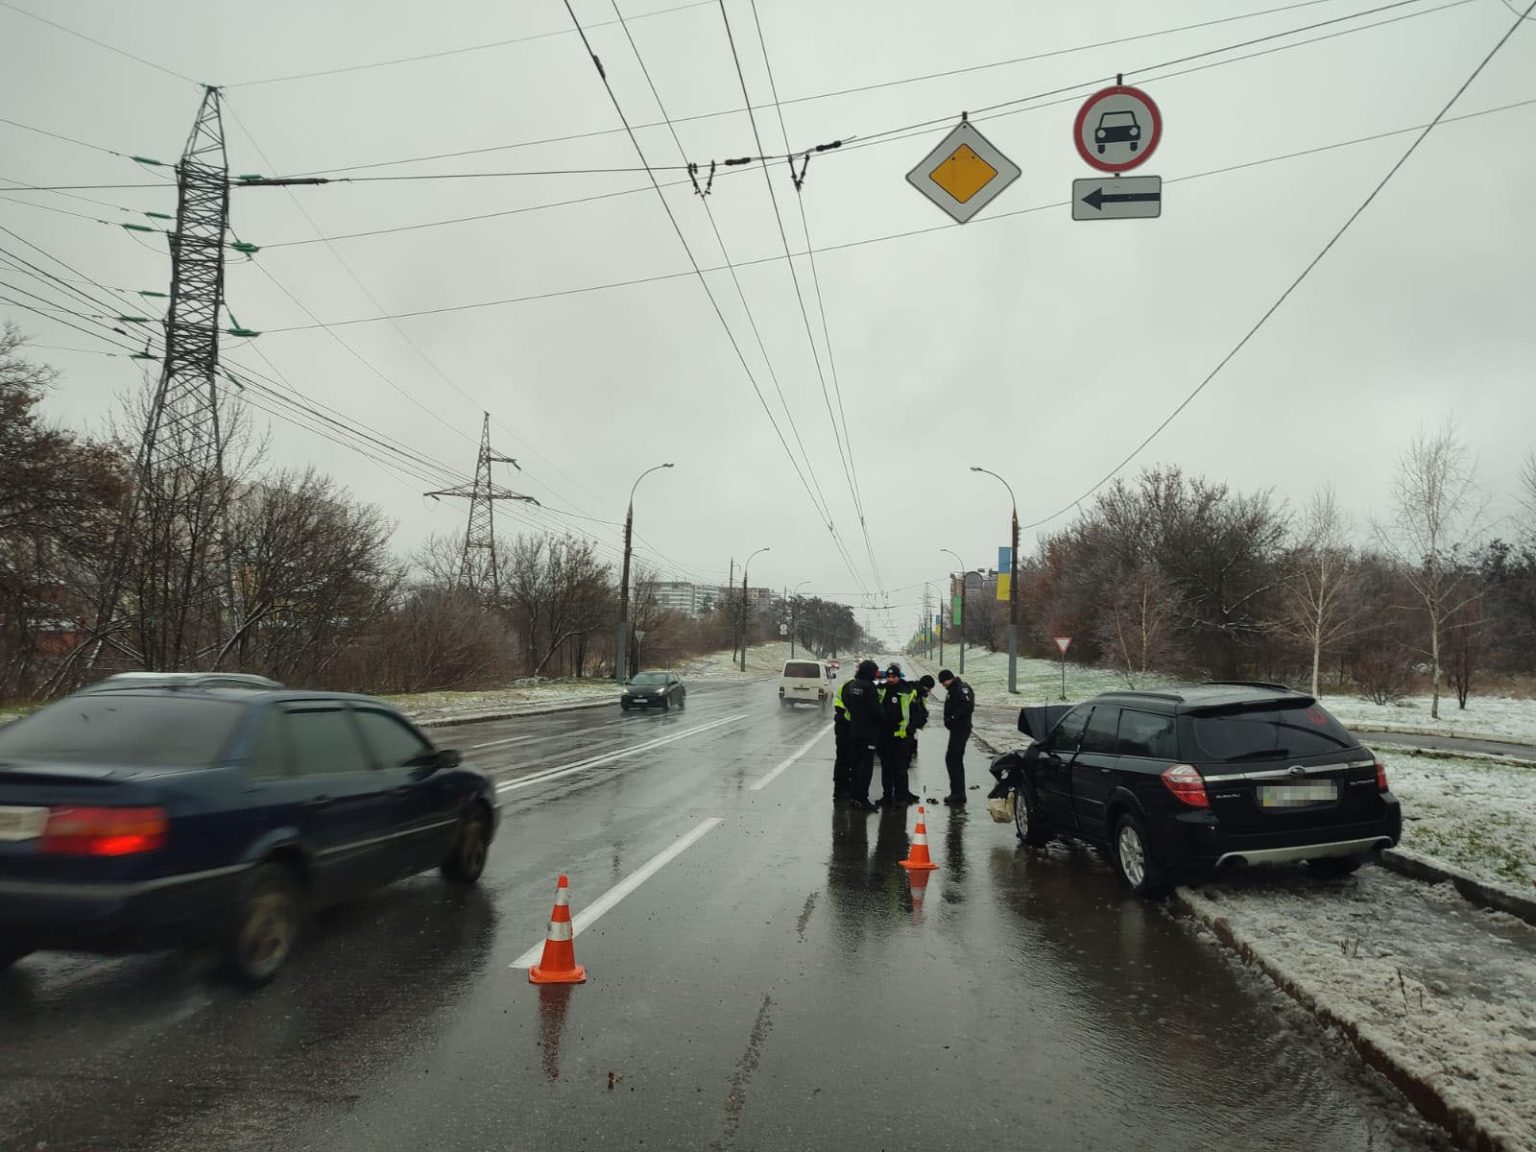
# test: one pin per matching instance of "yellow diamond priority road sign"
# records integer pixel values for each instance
(964, 173)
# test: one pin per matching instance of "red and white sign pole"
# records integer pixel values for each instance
(1062, 644)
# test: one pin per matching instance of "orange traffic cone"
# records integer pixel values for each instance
(918, 882)
(918, 859)
(558, 964)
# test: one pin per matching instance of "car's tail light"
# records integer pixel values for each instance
(104, 831)
(1381, 776)
(1187, 785)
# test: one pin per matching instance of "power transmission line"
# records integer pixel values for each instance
(466, 49)
(99, 43)
(990, 217)
(1296, 283)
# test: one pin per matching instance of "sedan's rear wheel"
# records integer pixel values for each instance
(266, 925)
(1133, 858)
(467, 860)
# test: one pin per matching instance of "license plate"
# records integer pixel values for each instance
(22, 823)
(1298, 795)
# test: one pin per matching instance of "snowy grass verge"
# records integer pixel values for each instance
(1476, 815)
(1432, 992)
(763, 660)
(529, 697)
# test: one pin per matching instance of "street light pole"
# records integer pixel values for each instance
(963, 617)
(794, 603)
(621, 643)
(744, 607)
(1013, 585)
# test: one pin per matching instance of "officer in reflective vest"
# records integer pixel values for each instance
(895, 752)
(842, 762)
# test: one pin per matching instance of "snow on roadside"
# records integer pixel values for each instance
(531, 695)
(1478, 815)
(1439, 988)
(1504, 717)
(762, 660)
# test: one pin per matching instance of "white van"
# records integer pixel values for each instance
(804, 682)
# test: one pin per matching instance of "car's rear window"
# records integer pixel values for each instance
(802, 670)
(117, 728)
(1264, 733)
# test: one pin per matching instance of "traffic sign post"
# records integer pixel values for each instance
(1128, 198)
(964, 173)
(1062, 644)
(1117, 129)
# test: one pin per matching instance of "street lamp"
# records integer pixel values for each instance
(794, 599)
(621, 645)
(1013, 585)
(963, 575)
(743, 610)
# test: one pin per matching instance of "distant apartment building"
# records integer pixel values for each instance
(676, 595)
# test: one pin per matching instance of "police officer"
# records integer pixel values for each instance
(919, 716)
(959, 706)
(895, 752)
(859, 698)
(842, 763)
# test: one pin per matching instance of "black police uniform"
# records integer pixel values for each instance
(959, 707)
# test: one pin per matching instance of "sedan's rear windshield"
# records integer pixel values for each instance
(1228, 736)
(650, 678)
(120, 729)
(802, 670)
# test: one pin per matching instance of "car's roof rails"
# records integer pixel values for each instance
(1174, 696)
(185, 680)
(1253, 684)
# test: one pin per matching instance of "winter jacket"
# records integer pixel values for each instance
(896, 709)
(959, 705)
(861, 700)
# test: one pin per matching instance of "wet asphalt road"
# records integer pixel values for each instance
(776, 985)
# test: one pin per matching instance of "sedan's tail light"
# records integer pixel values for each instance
(104, 831)
(1187, 785)
(1381, 776)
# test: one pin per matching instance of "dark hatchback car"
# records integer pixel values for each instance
(662, 690)
(135, 818)
(1177, 785)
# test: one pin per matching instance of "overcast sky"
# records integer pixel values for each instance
(1038, 347)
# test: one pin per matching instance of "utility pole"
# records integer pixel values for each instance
(480, 535)
(178, 514)
(730, 594)
(745, 565)
(621, 642)
(963, 583)
(1013, 584)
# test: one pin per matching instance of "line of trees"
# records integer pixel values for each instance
(1171, 573)
(232, 565)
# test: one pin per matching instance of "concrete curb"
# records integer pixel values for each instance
(1464, 1128)
(512, 714)
(1453, 754)
(1388, 728)
(1475, 891)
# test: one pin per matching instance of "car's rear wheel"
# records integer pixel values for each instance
(1133, 858)
(9, 956)
(265, 927)
(682, 700)
(1334, 866)
(467, 860)
(1027, 821)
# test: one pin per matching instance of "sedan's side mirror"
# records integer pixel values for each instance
(448, 758)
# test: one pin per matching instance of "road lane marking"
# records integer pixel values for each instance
(596, 761)
(804, 748)
(537, 738)
(588, 916)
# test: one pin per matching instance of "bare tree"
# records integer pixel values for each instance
(1318, 607)
(1438, 511)
(1137, 624)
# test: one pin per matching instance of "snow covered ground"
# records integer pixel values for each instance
(530, 696)
(1478, 815)
(1497, 716)
(762, 660)
(1431, 984)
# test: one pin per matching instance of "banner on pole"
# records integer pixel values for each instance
(1005, 559)
(1004, 583)
(956, 612)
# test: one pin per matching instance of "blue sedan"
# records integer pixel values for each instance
(137, 816)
